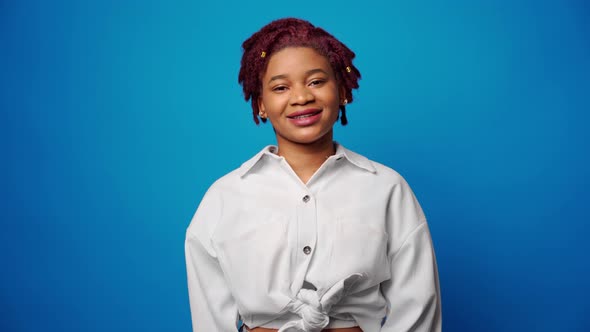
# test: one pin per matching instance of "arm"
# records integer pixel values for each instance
(413, 292)
(212, 305)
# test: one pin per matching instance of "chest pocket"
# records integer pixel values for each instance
(255, 259)
(359, 246)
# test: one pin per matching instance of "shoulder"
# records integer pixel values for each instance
(232, 179)
(226, 182)
(384, 179)
(381, 172)
(387, 172)
(211, 206)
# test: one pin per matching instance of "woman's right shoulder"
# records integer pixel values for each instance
(220, 195)
(209, 208)
(227, 181)
(234, 178)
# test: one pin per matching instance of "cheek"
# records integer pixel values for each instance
(332, 98)
(264, 103)
(273, 104)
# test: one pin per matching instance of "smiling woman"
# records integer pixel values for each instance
(301, 98)
(308, 235)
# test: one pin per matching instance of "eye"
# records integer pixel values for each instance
(279, 88)
(317, 82)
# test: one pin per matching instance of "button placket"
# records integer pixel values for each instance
(307, 228)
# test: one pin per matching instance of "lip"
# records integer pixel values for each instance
(304, 112)
(306, 117)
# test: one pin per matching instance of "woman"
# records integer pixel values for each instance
(308, 235)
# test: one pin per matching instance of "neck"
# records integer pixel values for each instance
(305, 159)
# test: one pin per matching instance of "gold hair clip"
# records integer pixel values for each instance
(263, 54)
(348, 69)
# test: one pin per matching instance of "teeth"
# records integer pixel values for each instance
(303, 116)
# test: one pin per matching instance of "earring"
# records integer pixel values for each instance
(345, 102)
(261, 114)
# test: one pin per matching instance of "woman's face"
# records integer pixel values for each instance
(300, 96)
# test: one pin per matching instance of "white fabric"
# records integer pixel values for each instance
(313, 310)
(371, 253)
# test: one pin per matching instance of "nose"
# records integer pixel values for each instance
(301, 95)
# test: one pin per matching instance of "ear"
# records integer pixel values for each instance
(342, 91)
(261, 108)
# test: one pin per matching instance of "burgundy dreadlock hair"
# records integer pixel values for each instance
(293, 32)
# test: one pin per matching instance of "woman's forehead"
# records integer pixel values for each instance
(297, 60)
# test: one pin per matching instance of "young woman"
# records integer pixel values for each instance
(308, 235)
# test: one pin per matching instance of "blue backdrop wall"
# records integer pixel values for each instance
(117, 116)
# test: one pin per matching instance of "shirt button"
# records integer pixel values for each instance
(307, 250)
(305, 198)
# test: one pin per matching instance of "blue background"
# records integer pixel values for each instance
(115, 118)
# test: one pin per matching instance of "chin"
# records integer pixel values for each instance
(309, 139)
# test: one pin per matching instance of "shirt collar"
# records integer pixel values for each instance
(354, 158)
(268, 150)
(341, 152)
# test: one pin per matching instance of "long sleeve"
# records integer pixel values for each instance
(212, 305)
(413, 292)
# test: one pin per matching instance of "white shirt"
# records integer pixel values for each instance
(346, 249)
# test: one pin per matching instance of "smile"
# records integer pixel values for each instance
(304, 114)
(306, 117)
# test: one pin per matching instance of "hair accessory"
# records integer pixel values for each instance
(348, 69)
(345, 102)
(263, 54)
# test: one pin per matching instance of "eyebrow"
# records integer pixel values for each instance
(307, 73)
